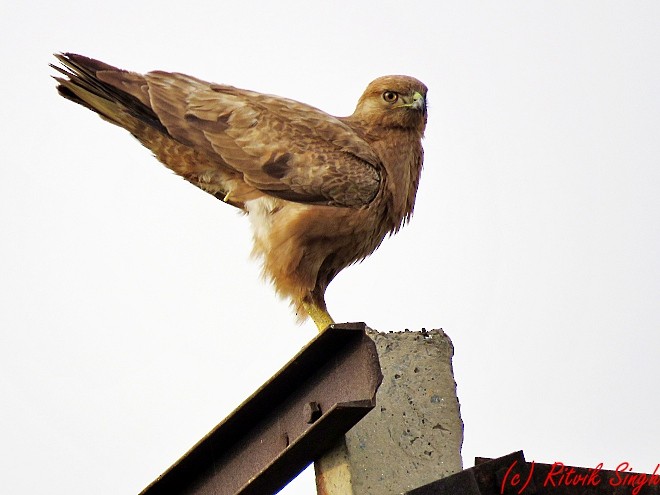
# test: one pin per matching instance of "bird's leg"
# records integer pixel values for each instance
(314, 300)
(320, 315)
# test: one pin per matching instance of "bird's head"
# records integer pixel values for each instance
(393, 101)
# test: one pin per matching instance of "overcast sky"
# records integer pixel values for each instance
(132, 319)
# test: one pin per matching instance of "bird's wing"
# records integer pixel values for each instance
(281, 147)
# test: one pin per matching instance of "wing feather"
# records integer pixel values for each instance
(280, 146)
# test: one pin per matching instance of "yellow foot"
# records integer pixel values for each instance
(320, 316)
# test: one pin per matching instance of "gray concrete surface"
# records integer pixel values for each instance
(414, 434)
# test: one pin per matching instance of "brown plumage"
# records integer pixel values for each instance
(321, 191)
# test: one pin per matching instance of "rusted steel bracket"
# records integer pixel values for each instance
(286, 424)
(512, 475)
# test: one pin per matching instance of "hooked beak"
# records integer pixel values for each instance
(417, 102)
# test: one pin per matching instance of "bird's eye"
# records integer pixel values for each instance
(390, 96)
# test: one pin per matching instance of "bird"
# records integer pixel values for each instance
(321, 192)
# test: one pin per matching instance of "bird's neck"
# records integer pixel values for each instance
(400, 151)
(402, 156)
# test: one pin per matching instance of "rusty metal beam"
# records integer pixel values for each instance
(286, 424)
(510, 474)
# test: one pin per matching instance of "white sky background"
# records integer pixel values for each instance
(132, 319)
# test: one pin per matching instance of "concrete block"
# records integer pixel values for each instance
(414, 434)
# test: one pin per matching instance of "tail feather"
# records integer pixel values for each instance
(102, 88)
(123, 98)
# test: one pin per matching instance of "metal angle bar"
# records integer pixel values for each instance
(287, 423)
